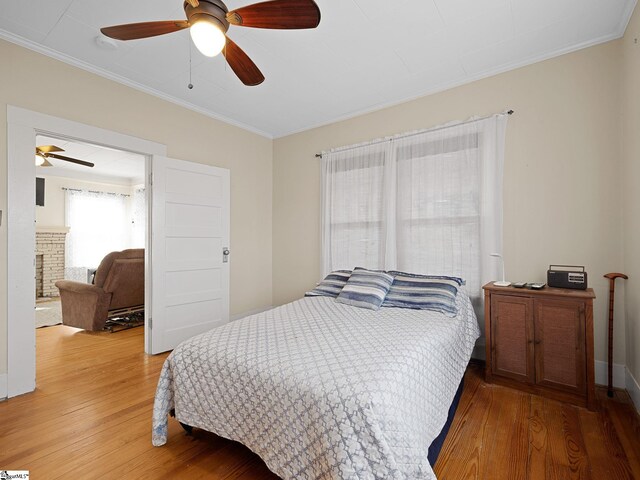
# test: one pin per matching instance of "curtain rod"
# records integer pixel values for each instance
(94, 191)
(508, 112)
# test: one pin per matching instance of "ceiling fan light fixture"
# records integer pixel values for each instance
(209, 21)
(39, 160)
(207, 36)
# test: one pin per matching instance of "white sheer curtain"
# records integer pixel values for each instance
(98, 223)
(424, 202)
(354, 227)
(138, 218)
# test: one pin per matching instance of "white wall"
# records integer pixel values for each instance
(562, 174)
(73, 94)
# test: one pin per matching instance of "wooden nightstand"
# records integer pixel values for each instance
(541, 341)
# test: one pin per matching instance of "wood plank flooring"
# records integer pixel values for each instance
(90, 418)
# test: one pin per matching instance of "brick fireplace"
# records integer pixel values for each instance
(49, 259)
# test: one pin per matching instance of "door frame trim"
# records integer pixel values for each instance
(22, 127)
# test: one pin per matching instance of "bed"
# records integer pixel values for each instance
(323, 390)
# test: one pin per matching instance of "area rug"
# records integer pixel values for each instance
(48, 314)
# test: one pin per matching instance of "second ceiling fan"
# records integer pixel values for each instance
(45, 152)
(209, 20)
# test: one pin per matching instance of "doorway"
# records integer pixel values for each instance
(189, 225)
(90, 201)
(23, 128)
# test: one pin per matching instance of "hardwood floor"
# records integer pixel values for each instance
(90, 417)
(499, 433)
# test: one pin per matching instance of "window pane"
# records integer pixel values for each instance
(438, 212)
(355, 206)
(442, 248)
(98, 224)
(357, 245)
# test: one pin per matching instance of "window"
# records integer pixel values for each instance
(98, 224)
(428, 202)
(355, 209)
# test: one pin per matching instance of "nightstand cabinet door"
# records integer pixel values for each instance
(541, 341)
(512, 337)
(560, 344)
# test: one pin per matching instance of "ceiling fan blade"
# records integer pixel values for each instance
(48, 149)
(72, 160)
(132, 31)
(242, 65)
(284, 14)
(193, 3)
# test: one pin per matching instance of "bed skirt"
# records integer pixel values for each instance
(436, 445)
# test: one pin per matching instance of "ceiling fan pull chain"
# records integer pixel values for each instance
(190, 86)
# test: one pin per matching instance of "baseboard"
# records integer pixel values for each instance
(4, 386)
(238, 316)
(602, 374)
(634, 390)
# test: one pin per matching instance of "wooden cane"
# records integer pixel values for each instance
(612, 286)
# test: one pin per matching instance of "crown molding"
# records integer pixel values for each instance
(473, 78)
(18, 40)
(626, 18)
(49, 52)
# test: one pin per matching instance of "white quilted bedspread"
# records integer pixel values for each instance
(322, 390)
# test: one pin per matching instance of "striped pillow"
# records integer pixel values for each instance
(331, 285)
(424, 292)
(366, 288)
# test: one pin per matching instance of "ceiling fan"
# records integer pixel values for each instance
(46, 151)
(209, 20)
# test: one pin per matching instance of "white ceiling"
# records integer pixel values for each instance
(111, 166)
(364, 55)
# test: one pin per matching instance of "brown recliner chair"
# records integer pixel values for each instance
(118, 288)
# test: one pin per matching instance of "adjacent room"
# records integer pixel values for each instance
(90, 202)
(302, 239)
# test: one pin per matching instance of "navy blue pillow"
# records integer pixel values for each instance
(332, 284)
(424, 292)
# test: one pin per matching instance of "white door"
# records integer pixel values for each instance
(189, 233)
